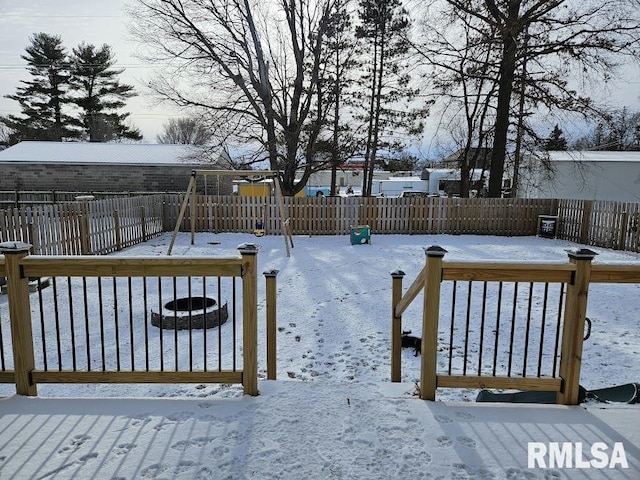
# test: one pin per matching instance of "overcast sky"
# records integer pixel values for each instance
(105, 21)
(90, 21)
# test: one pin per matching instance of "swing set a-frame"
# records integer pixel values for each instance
(190, 197)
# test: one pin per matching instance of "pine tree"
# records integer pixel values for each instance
(382, 33)
(556, 140)
(43, 98)
(340, 62)
(99, 94)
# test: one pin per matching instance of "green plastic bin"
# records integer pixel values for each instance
(360, 235)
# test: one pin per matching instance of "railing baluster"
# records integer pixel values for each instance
(146, 323)
(133, 366)
(219, 303)
(115, 322)
(543, 324)
(102, 338)
(204, 326)
(466, 334)
(453, 317)
(42, 329)
(175, 320)
(56, 313)
(72, 322)
(497, 340)
(161, 336)
(527, 331)
(204, 330)
(234, 319)
(556, 349)
(482, 321)
(87, 336)
(513, 327)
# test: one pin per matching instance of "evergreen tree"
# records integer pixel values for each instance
(556, 140)
(42, 98)
(99, 94)
(383, 32)
(339, 63)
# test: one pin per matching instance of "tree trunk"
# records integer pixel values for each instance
(505, 88)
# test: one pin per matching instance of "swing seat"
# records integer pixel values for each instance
(259, 232)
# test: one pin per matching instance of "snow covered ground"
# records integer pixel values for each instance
(332, 413)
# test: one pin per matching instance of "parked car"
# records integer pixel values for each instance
(415, 194)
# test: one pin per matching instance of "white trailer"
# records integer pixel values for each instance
(394, 186)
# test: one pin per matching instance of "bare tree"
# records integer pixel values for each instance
(463, 81)
(538, 45)
(252, 66)
(185, 131)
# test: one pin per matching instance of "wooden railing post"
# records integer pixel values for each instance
(271, 323)
(19, 316)
(396, 326)
(575, 310)
(430, 318)
(249, 253)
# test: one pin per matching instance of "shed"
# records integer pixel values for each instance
(109, 167)
(584, 175)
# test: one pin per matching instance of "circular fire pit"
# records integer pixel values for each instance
(190, 312)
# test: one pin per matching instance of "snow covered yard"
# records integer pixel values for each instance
(333, 412)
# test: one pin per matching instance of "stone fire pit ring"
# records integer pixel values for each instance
(190, 313)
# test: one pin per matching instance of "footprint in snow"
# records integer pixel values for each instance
(75, 443)
(465, 415)
(444, 441)
(467, 442)
(124, 448)
(153, 471)
(443, 419)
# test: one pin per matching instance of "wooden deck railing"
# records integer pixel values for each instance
(94, 324)
(527, 321)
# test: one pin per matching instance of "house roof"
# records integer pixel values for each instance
(110, 153)
(593, 156)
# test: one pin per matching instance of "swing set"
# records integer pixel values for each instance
(259, 220)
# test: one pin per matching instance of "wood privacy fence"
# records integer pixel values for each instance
(84, 227)
(336, 215)
(104, 226)
(527, 321)
(604, 224)
(95, 323)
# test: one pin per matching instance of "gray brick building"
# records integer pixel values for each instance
(110, 167)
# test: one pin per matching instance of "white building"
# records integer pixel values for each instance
(583, 175)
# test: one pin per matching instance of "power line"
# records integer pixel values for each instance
(30, 16)
(115, 66)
